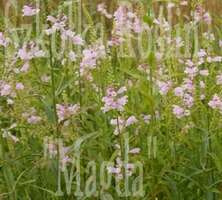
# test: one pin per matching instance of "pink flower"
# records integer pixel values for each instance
(114, 170)
(122, 90)
(51, 19)
(202, 53)
(30, 51)
(59, 24)
(137, 26)
(115, 41)
(188, 100)
(191, 71)
(164, 87)
(131, 120)
(23, 54)
(27, 53)
(89, 60)
(64, 161)
(146, 118)
(90, 57)
(5, 89)
(216, 102)
(189, 63)
(188, 85)
(126, 21)
(180, 112)
(66, 111)
(68, 34)
(119, 124)
(207, 18)
(19, 86)
(179, 91)
(3, 41)
(114, 100)
(33, 119)
(77, 40)
(29, 11)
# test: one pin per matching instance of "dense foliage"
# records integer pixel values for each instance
(110, 102)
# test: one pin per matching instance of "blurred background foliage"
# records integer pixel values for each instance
(214, 6)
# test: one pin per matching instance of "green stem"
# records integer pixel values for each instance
(53, 93)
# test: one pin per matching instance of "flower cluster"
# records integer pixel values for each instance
(164, 87)
(114, 100)
(59, 24)
(216, 103)
(120, 123)
(118, 169)
(27, 53)
(180, 112)
(64, 112)
(6, 89)
(90, 58)
(201, 15)
(126, 21)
